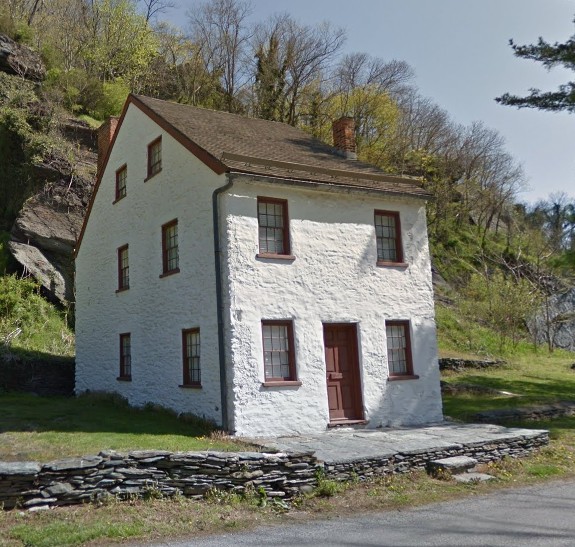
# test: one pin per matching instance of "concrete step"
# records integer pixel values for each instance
(472, 477)
(451, 466)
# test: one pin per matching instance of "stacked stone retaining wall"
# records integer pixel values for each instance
(33, 486)
(42, 377)
(451, 363)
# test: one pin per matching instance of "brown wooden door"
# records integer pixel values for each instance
(342, 372)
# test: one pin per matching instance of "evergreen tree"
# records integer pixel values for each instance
(550, 55)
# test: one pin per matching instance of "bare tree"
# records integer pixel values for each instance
(152, 8)
(220, 30)
(290, 57)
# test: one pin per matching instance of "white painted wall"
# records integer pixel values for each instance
(153, 310)
(334, 278)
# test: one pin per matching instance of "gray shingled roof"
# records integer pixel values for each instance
(272, 149)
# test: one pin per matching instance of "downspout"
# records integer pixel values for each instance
(220, 300)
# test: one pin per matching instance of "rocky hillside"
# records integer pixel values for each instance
(47, 172)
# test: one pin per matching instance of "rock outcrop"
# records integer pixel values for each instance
(556, 321)
(20, 60)
(45, 232)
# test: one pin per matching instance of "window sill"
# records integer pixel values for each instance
(404, 377)
(118, 199)
(122, 289)
(171, 272)
(275, 256)
(282, 383)
(383, 263)
(191, 386)
(152, 175)
(124, 378)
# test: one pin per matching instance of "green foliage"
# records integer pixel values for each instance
(501, 302)
(118, 42)
(29, 322)
(327, 487)
(112, 99)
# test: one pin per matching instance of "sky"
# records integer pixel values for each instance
(459, 50)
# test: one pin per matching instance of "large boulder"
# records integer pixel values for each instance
(44, 235)
(20, 60)
(556, 321)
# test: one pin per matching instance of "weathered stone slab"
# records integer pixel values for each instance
(73, 464)
(473, 477)
(452, 465)
(23, 469)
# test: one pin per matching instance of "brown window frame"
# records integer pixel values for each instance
(123, 269)
(187, 371)
(408, 374)
(125, 367)
(398, 259)
(154, 168)
(121, 190)
(291, 380)
(166, 270)
(286, 244)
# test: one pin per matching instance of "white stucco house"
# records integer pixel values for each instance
(238, 269)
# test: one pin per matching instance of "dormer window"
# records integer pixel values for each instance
(154, 157)
(121, 178)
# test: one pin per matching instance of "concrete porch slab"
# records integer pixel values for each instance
(349, 444)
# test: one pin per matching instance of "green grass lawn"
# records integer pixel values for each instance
(46, 428)
(531, 379)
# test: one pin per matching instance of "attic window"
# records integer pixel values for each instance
(154, 157)
(121, 178)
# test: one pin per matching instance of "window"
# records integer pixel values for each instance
(278, 346)
(399, 349)
(121, 177)
(273, 225)
(154, 157)
(170, 258)
(125, 357)
(388, 237)
(191, 353)
(123, 269)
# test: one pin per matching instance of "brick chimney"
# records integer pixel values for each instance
(105, 134)
(344, 137)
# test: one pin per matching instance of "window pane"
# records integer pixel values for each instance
(276, 347)
(170, 247)
(386, 237)
(125, 356)
(397, 349)
(272, 226)
(192, 370)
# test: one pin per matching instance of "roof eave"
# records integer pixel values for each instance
(309, 183)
